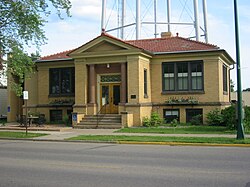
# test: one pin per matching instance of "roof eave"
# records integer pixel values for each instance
(226, 55)
(54, 60)
(192, 51)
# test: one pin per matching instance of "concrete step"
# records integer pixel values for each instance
(101, 120)
(99, 126)
(107, 121)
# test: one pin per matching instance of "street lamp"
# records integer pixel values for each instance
(240, 129)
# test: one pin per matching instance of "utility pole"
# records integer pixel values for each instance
(240, 129)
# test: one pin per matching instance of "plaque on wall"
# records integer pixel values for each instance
(133, 96)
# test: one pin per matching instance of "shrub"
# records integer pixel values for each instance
(154, 120)
(229, 117)
(214, 117)
(66, 120)
(174, 123)
(146, 122)
(196, 120)
(247, 118)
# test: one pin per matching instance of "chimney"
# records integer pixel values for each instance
(166, 35)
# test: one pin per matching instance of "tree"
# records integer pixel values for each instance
(232, 85)
(21, 24)
(246, 90)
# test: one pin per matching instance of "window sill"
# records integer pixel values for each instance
(225, 93)
(146, 96)
(182, 92)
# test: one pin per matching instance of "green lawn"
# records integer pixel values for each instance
(114, 138)
(5, 134)
(179, 130)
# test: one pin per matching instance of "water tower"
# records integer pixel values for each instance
(161, 17)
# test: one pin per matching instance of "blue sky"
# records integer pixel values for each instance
(85, 24)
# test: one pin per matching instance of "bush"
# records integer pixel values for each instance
(154, 120)
(146, 122)
(66, 120)
(247, 118)
(174, 123)
(196, 120)
(214, 117)
(229, 117)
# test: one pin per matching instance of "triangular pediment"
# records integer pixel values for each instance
(103, 44)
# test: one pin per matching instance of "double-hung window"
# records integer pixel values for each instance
(196, 76)
(62, 81)
(168, 77)
(183, 76)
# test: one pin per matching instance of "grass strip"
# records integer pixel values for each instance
(179, 130)
(114, 138)
(6, 134)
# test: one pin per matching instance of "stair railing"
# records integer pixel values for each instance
(98, 114)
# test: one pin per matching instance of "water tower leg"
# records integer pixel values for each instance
(168, 15)
(155, 17)
(138, 19)
(196, 22)
(103, 15)
(205, 20)
(123, 19)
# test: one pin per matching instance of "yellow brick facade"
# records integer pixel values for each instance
(105, 56)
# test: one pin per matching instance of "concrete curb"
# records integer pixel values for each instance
(185, 144)
(132, 142)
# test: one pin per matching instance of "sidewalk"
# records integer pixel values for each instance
(76, 132)
(60, 133)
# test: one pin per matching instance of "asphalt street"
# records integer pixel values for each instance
(27, 163)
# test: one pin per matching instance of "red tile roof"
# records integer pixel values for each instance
(172, 44)
(57, 56)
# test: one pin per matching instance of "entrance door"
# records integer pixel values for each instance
(110, 98)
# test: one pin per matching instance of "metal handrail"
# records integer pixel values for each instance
(98, 114)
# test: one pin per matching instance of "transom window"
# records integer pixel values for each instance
(110, 78)
(62, 81)
(183, 76)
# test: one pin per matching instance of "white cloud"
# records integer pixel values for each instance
(86, 2)
(87, 11)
